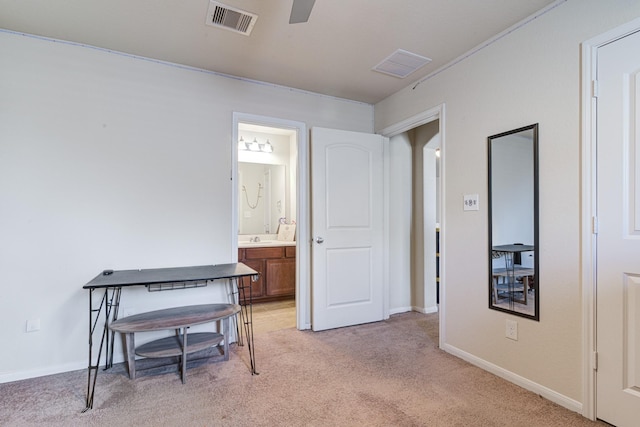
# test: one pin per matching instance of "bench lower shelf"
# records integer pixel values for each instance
(178, 319)
(172, 346)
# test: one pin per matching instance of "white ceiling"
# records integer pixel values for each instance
(333, 53)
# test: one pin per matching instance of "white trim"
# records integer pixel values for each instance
(433, 309)
(435, 113)
(399, 310)
(425, 310)
(303, 260)
(589, 209)
(413, 122)
(7, 377)
(386, 235)
(181, 66)
(443, 203)
(490, 41)
(541, 390)
(303, 249)
(588, 239)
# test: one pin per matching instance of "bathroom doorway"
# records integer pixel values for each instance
(266, 209)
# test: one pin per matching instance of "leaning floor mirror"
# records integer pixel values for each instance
(513, 222)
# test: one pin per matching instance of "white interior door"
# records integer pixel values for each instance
(347, 224)
(618, 239)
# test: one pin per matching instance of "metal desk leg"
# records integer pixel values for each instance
(246, 317)
(235, 297)
(113, 306)
(184, 354)
(509, 267)
(107, 304)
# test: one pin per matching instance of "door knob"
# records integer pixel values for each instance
(319, 240)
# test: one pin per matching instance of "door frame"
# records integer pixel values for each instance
(427, 116)
(589, 209)
(303, 250)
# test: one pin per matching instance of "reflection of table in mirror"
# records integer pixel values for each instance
(510, 287)
(510, 272)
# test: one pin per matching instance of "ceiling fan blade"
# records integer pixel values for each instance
(300, 11)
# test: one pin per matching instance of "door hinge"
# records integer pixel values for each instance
(594, 89)
(594, 360)
(594, 225)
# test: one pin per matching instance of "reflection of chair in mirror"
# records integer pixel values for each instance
(514, 281)
(522, 284)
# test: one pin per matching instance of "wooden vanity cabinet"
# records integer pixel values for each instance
(257, 287)
(277, 268)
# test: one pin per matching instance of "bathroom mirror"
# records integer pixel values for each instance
(513, 222)
(261, 197)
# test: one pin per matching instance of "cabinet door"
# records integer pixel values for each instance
(257, 287)
(281, 277)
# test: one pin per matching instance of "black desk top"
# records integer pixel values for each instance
(513, 248)
(170, 275)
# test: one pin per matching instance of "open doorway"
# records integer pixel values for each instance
(416, 202)
(415, 174)
(266, 181)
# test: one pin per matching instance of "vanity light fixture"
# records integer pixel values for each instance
(255, 146)
(267, 147)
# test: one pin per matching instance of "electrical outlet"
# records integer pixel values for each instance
(512, 330)
(33, 325)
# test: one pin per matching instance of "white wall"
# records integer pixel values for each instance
(530, 75)
(112, 161)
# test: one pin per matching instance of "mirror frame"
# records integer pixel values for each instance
(536, 243)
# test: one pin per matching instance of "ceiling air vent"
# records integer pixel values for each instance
(229, 18)
(401, 63)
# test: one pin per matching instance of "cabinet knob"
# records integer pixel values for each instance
(319, 240)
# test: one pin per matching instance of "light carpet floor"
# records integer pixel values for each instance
(389, 373)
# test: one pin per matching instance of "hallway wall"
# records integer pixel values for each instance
(530, 75)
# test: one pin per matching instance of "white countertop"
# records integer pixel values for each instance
(264, 243)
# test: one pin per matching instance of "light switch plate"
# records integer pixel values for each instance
(471, 202)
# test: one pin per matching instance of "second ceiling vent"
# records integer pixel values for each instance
(401, 63)
(230, 18)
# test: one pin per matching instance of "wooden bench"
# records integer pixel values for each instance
(182, 343)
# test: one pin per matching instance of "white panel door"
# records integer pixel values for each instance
(618, 239)
(347, 228)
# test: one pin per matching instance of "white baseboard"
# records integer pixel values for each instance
(7, 377)
(399, 310)
(433, 309)
(425, 310)
(422, 310)
(541, 390)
